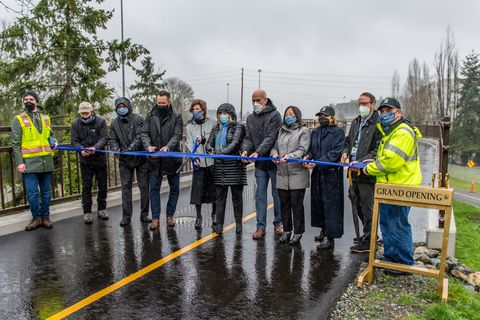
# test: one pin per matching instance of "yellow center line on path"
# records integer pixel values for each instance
(140, 273)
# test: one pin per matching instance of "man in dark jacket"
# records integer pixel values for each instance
(162, 131)
(89, 132)
(361, 144)
(126, 135)
(262, 130)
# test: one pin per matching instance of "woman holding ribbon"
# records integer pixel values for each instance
(327, 142)
(197, 131)
(292, 177)
(226, 139)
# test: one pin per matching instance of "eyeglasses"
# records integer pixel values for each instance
(364, 103)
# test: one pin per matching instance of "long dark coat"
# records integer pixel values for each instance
(327, 182)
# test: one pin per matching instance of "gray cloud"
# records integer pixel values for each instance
(351, 46)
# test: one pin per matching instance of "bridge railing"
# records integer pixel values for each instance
(66, 179)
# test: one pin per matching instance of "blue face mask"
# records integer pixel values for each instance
(289, 120)
(224, 119)
(88, 120)
(197, 115)
(386, 118)
(122, 111)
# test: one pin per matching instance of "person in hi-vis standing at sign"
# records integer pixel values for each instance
(397, 162)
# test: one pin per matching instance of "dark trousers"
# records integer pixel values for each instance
(126, 176)
(155, 185)
(221, 202)
(292, 206)
(361, 195)
(89, 171)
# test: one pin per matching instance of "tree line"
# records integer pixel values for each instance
(452, 89)
(53, 47)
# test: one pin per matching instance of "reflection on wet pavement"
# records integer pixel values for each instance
(46, 271)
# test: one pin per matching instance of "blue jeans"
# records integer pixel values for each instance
(155, 185)
(396, 233)
(261, 177)
(34, 181)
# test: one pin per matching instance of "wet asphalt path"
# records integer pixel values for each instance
(46, 271)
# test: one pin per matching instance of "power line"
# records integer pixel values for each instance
(321, 80)
(298, 94)
(208, 73)
(322, 74)
(317, 85)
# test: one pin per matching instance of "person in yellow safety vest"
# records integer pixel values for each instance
(33, 144)
(397, 162)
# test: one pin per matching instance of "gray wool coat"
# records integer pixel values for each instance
(293, 142)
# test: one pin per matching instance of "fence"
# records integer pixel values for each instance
(65, 182)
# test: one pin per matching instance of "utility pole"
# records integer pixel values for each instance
(228, 85)
(241, 100)
(259, 71)
(123, 59)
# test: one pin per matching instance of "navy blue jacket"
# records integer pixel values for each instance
(327, 144)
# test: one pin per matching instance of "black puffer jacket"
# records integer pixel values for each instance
(126, 135)
(159, 133)
(261, 133)
(94, 134)
(228, 172)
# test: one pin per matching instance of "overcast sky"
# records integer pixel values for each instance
(311, 53)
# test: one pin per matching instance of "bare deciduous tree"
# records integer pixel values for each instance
(446, 73)
(419, 93)
(396, 84)
(181, 92)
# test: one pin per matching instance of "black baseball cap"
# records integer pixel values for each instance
(327, 110)
(390, 102)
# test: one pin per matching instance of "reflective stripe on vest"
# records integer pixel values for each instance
(34, 143)
(400, 152)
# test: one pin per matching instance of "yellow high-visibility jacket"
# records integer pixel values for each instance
(398, 161)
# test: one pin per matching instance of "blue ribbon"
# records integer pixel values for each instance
(192, 155)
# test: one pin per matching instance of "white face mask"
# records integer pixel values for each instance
(364, 111)
(257, 107)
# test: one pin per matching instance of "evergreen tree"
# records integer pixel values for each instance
(54, 49)
(146, 87)
(465, 130)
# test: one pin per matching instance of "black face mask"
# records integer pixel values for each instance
(163, 106)
(29, 106)
(324, 122)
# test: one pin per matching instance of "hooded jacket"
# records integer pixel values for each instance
(165, 132)
(126, 135)
(261, 133)
(228, 172)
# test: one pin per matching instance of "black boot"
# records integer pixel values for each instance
(198, 223)
(285, 237)
(144, 218)
(219, 229)
(214, 221)
(320, 237)
(238, 227)
(326, 244)
(125, 221)
(295, 239)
